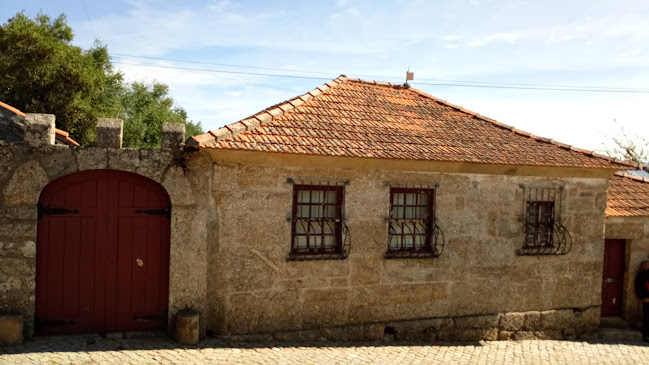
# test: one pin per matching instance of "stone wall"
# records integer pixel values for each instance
(635, 230)
(255, 291)
(27, 167)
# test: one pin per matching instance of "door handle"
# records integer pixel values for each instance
(610, 280)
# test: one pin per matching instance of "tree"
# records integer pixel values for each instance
(629, 147)
(42, 72)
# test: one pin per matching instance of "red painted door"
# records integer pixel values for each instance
(613, 278)
(102, 262)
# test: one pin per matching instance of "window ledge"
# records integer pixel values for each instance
(410, 255)
(314, 257)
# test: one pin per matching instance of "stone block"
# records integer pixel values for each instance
(40, 130)
(25, 185)
(92, 158)
(123, 159)
(504, 335)
(109, 133)
(58, 161)
(524, 335)
(532, 321)
(173, 136)
(478, 322)
(324, 307)
(187, 327)
(11, 330)
(557, 319)
(513, 321)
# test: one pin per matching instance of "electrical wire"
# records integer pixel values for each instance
(439, 82)
(495, 86)
(89, 21)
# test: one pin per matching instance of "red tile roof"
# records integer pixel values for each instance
(628, 195)
(355, 118)
(61, 135)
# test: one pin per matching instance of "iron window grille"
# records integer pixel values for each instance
(317, 223)
(412, 231)
(544, 233)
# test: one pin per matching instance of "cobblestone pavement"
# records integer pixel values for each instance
(151, 350)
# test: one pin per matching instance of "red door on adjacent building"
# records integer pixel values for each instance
(102, 256)
(613, 279)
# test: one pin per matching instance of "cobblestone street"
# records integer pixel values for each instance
(151, 350)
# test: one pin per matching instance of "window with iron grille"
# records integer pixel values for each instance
(411, 221)
(317, 220)
(540, 224)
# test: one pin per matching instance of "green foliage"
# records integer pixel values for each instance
(42, 72)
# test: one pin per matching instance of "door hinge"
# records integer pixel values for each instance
(54, 211)
(160, 212)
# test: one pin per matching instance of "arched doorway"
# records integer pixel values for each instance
(102, 256)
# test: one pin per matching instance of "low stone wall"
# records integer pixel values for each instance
(27, 167)
(568, 324)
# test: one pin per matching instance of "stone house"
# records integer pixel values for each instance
(627, 244)
(356, 211)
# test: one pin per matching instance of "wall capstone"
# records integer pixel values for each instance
(39, 129)
(173, 136)
(109, 132)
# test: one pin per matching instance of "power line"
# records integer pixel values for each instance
(538, 88)
(224, 71)
(440, 82)
(88, 16)
(495, 86)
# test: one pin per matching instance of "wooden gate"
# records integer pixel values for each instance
(613, 278)
(102, 255)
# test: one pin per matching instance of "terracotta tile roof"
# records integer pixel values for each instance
(355, 118)
(12, 109)
(628, 195)
(64, 137)
(61, 135)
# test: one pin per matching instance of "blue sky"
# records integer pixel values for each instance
(573, 43)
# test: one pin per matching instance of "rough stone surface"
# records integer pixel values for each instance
(11, 330)
(39, 130)
(25, 185)
(173, 136)
(27, 170)
(109, 133)
(479, 277)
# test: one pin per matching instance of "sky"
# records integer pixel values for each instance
(217, 56)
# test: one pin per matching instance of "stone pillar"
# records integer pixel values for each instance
(187, 327)
(109, 132)
(11, 330)
(173, 136)
(39, 129)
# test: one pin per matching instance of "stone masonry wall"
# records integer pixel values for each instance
(478, 288)
(25, 170)
(635, 230)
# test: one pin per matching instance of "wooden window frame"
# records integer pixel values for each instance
(428, 223)
(336, 221)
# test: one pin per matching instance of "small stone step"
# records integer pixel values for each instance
(620, 334)
(613, 322)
